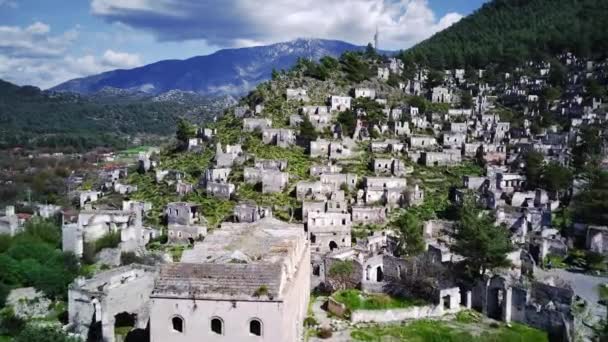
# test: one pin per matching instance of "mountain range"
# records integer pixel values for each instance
(225, 72)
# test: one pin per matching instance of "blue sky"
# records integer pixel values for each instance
(47, 42)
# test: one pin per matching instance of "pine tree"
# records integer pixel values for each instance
(307, 130)
(410, 233)
(480, 241)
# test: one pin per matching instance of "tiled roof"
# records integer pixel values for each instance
(219, 281)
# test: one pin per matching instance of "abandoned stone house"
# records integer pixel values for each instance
(220, 190)
(250, 212)
(383, 73)
(365, 92)
(109, 298)
(458, 127)
(132, 205)
(320, 117)
(47, 210)
(340, 103)
(90, 225)
(124, 189)
(336, 180)
(422, 142)
(215, 175)
(185, 222)
(252, 124)
(168, 176)
(228, 158)
(245, 281)
(395, 167)
(383, 190)
(501, 130)
(274, 181)
(329, 149)
(454, 140)
(334, 202)
(315, 110)
(399, 128)
(414, 196)
(9, 222)
(296, 94)
(368, 215)
(241, 111)
(597, 239)
(471, 150)
(281, 137)
(447, 157)
(545, 242)
(388, 145)
(87, 197)
(509, 182)
(208, 133)
(385, 183)
(441, 95)
(488, 120)
(543, 304)
(295, 120)
(195, 144)
(420, 121)
(259, 108)
(395, 65)
(313, 189)
(183, 188)
(318, 169)
(328, 231)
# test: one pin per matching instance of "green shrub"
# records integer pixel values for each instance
(128, 258)
(310, 321)
(261, 291)
(468, 316)
(109, 240)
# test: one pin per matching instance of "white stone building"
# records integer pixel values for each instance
(245, 282)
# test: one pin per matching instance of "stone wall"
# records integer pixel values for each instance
(395, 315)
(336, 307)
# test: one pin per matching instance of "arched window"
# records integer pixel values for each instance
(217, 325)
(332, 245)
(255, 327)
(178, 324)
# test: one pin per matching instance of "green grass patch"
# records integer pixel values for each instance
(555, 261)
(356, 300)
(440, 331)
(603, 291)
(468, 316)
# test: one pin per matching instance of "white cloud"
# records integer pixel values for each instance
(9, 3)
(38, 28)
(32, 55)
(121, 59)
(34, 41)
(251, 22)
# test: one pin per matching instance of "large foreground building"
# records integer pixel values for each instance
(244, 282)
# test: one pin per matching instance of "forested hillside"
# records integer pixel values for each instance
(508, 32)
(32, 118)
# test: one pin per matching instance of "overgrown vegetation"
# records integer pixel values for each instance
(484, 244)
(356, 300)
(454, 331)
(34, 258)
(510, 32)
(32, 118)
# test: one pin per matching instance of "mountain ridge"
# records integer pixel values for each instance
(227, 71)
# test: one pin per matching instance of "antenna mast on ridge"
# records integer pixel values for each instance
(376, 37)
